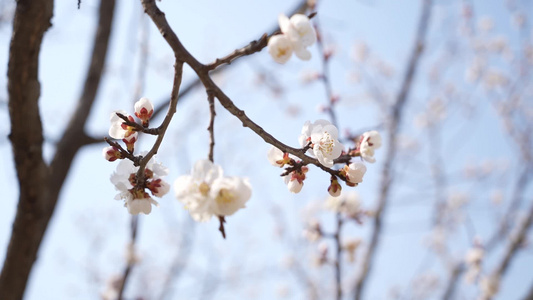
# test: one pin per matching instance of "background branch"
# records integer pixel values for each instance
(393, 129)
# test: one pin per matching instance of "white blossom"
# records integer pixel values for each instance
(298, 28)
(136, 200)
(347, 203)
(474, 256)
(359, 52)
(354, 172)
(230, 194)
(206, 192)
(277, 158)
(489, 285)
(280, 48)
(193, 190)
(297, 35)
(323, 136)
(294, 185)
(140, 205)
(117, 130)
(350, 246)
(370, 141)
(485, 24)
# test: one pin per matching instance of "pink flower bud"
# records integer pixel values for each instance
(335, 188)
(144, 110)
(111, 153)
(158, 187)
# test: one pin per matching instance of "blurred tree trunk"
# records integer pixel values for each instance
(40, 184)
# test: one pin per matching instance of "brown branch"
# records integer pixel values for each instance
(178, 72)
(325, 57)
(211, 127)
(338, 257)
(31, 21)
(529, 295)
(221, 228)
(125, 153)
(253, 47)
(40, 186)
(516, 241)
(139, 127)
(131, 260)
(182, 54)
(301, 7)
(456, 272)
(394, 125)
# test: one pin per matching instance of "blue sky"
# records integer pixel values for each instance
(85, 243)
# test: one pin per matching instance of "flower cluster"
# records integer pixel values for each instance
(134, 190)
(297, 34)
(119, 129)
(320, 139)
(207, 192)
(135, 197)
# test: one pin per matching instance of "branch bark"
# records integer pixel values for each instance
(31, 21)
(393, 129)
(39, 184)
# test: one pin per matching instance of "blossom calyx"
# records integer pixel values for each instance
(278, 158)
(354, 173)
(334, 188)
(111, 153)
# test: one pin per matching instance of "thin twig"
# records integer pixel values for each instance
(211, 127)
(178, 72)
(251, 48)
(131, 260)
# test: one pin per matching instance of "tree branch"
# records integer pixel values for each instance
(131, 259)
(40, 186)
(158, 17)
(31, 21)
(394, 125)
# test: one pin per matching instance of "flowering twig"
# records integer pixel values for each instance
(178, 71)
(251, 48)
(139, 127)
(125, 153)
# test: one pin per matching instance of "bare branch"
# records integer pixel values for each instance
(393, 128)
(32, 19)
(211, 127)
(178, 72)
(131, 260)
(39, 185)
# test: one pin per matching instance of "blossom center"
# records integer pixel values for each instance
(225, 196)
(282, 51)
(326, 143)
(204, 189)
